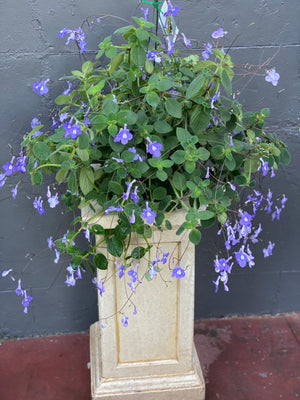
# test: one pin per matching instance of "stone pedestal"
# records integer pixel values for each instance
(153, 357)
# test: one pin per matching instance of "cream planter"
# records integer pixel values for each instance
(154, 357)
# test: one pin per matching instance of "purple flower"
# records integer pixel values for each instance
(57, 255)
(170, 46)
(137, 156)
(99, 286)
(241, 257)
(148, 214)
(19, 290)
(187, 41)
(219, 33)
(123, 136)
(264, 166)
(74, 35)
(129, 186)
(112, 208)
(68, 91)
(132, 218)
(6, 272)
(52, 200)
(207, 51)
(222, 265)
(72, 131)
(214, 99)
(152, 272)
(21, 163)
(272, 77)
(2, 180)
(283, 201)
(172, 10)
(38, 204)
(87, 233)
(50, 242)
(70, 281)
(119, 160)
(9, 167)
(134, 196)
(268, 251)
(153, 148)
(276, 213)
(178, 272)
(26, 301)
(146, 13)
(121, 269)
(125, 321)
(153, 55)
(165, 256)
(14, 191)
(41, 87)
(245, 218)
(34, 123)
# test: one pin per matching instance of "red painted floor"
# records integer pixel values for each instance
(253, 358)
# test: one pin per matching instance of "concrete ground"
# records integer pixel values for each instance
(249, 358)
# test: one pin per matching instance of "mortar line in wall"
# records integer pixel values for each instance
(271, 46)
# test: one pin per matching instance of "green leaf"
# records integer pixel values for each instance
(284, 157)
(72, 182)
(190, 166)
(162, 175)
(37, 178)
(62, 99)
(205, 214)
(168, 225)
(76, 261)
(142, 22)
(97, 229)
(195, 236)
(128, 156)
(195, 87)
(138, 252)
(159, 193)
(99, 122)
(241, 180)
(41, 150)
(179, 181)
(178, 157)
(87, 67)
(115, 247)
(149, 66)
(86, 180)
(124, 29)
(183, 135)
(82, 154)
(173, 108)
(116, 187)
(226, 82)
(230, 164)
(218, 151)
(83, 141)
(203, 153)
(152, 99)
(199, 120)
(100, 261)
(142, 34)
(165, 84)
(116, 61)
(61, 175)
(162, 127)
(138, 55)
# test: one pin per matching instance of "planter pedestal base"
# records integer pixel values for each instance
(188, 386)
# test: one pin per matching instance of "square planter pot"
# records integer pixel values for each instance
(154, 357)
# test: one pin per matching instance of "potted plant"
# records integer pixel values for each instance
(148, 145)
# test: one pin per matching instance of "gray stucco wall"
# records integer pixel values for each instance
(30, 51)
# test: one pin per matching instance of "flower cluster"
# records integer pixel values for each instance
(243, 232)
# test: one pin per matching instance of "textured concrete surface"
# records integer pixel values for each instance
(30, 50)
(242, 359)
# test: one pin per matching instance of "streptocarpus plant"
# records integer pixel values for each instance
(143, 131)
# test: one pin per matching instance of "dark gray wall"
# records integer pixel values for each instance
(30, 51)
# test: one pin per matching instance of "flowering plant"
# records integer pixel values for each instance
(143, 131)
